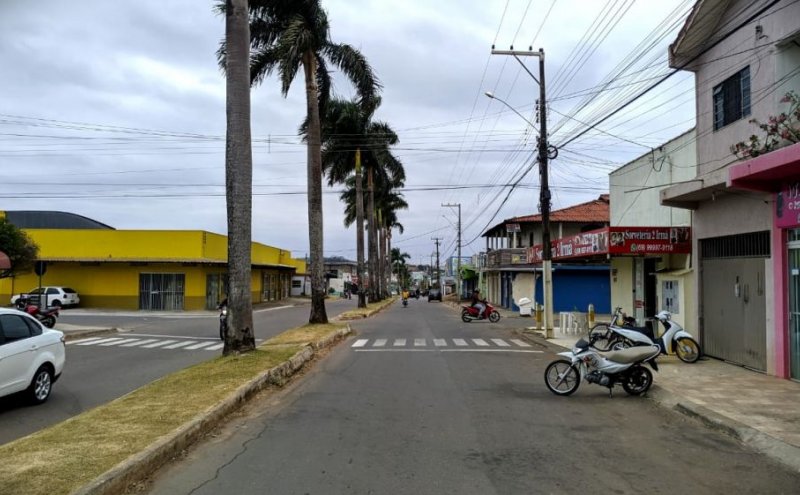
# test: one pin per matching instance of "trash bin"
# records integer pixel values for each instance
(525, 306)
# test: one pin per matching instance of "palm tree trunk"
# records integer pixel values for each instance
(314, 179)
(362, 303)
(238, 179)
(371, 240)
(381, 257)
(389, 259)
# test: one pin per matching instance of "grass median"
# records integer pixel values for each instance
(371, 309)
(66, 456)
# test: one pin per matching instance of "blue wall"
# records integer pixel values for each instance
(577, 287)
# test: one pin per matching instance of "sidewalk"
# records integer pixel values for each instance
(761, 411)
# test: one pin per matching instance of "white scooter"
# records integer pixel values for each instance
(624, 366)
(622, 333)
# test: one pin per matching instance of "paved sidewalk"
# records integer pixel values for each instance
(760, 410)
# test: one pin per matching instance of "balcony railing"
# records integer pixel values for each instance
(506, 257)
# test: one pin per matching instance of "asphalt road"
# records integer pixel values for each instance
(100, 370)
(431, 416)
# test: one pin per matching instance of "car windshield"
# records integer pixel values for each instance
(36, 290)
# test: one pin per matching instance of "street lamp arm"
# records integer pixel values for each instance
(492, 96)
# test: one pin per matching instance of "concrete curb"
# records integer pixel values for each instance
(765, 444)
(362, 317)
(68, 336)
(117, 479)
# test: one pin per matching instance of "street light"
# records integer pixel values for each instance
(545, 152)
(492, 96)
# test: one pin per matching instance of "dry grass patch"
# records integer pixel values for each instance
(66, 456)
(303, 335)
(369, 310)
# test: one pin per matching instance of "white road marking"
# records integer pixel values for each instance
(460, 342)
(379, 343)
(214, 347)
(399, 342)
(199, 346)
(181, 344)
(420, 343)
(93, 339)
(520, 343)
(133, 344)
(501, 343)
(480, 342)
(439, 342)
(360, 343)
(158, 344)
(170, 336)
(113, 339)
(123, 341)
(492, 350)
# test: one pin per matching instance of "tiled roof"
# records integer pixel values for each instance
(591, 211)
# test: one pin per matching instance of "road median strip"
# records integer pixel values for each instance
(370, 310)
(103, 450)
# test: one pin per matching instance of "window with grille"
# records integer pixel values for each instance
(732, 99)
(753, 244)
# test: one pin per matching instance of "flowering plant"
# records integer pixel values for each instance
(780, 130)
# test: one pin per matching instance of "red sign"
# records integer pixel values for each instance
(787, 206)
(619, 241)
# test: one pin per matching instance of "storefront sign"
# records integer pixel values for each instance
(620, 241)
(787, 206)
(512, 228)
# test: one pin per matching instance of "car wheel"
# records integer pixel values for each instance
(56, 303)
(41, 385)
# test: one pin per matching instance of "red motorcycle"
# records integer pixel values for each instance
(46, 316)
(469, 313)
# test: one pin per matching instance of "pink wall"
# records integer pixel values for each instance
(781, 289)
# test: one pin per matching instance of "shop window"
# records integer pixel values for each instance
(732, 99)
(669, 295)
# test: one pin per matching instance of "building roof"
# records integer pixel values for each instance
(592, 211)
(30, 219)
(338, 260)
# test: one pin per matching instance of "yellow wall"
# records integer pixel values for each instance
(103, 266)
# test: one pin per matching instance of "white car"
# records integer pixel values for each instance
(54, 296)
(32, 357)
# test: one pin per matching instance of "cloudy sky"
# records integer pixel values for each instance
(116, 111)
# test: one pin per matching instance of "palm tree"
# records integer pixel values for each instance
(349, 131)
(286, 35)
(399, 263)
(238, 178)
(389, 202)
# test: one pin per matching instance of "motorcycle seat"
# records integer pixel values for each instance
(631, 354)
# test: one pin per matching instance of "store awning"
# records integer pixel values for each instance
(769, 172)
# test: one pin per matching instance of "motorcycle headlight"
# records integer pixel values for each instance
(225, 312)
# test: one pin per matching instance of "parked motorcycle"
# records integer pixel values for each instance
(674, 340)
(46, 316)
(223, 320)
(469, 313)
(610, 368)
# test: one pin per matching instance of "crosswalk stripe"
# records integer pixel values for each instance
(199, 346)
(158, 344)
(123, 341)
(439, 342)
(460, 342)
(134, 344)
(501, 342)
(520, 343)
(93, 339)
(360, 342)
(215, 347)
(181, 344)
(101, 340)
(419, 343)
(480, 342)
(399, 342)
(379, 343)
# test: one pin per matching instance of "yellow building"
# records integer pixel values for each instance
(142, 269)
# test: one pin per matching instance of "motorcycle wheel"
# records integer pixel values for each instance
(464, 316)
(561, 377)
(638, 380)
(494, 316)
(617, 344)
(688, 350)
(49, 322)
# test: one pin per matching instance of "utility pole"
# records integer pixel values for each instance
(458, 261)
(437, 240)
(545, 152)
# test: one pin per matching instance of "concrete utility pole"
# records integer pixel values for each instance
(458, 261)
(545, 153)
(437, 240)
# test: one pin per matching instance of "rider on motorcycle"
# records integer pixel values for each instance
(405, 294)
(479, 303)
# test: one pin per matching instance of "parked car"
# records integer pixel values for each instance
(32, 357)
(435, 295)
(53, 296)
